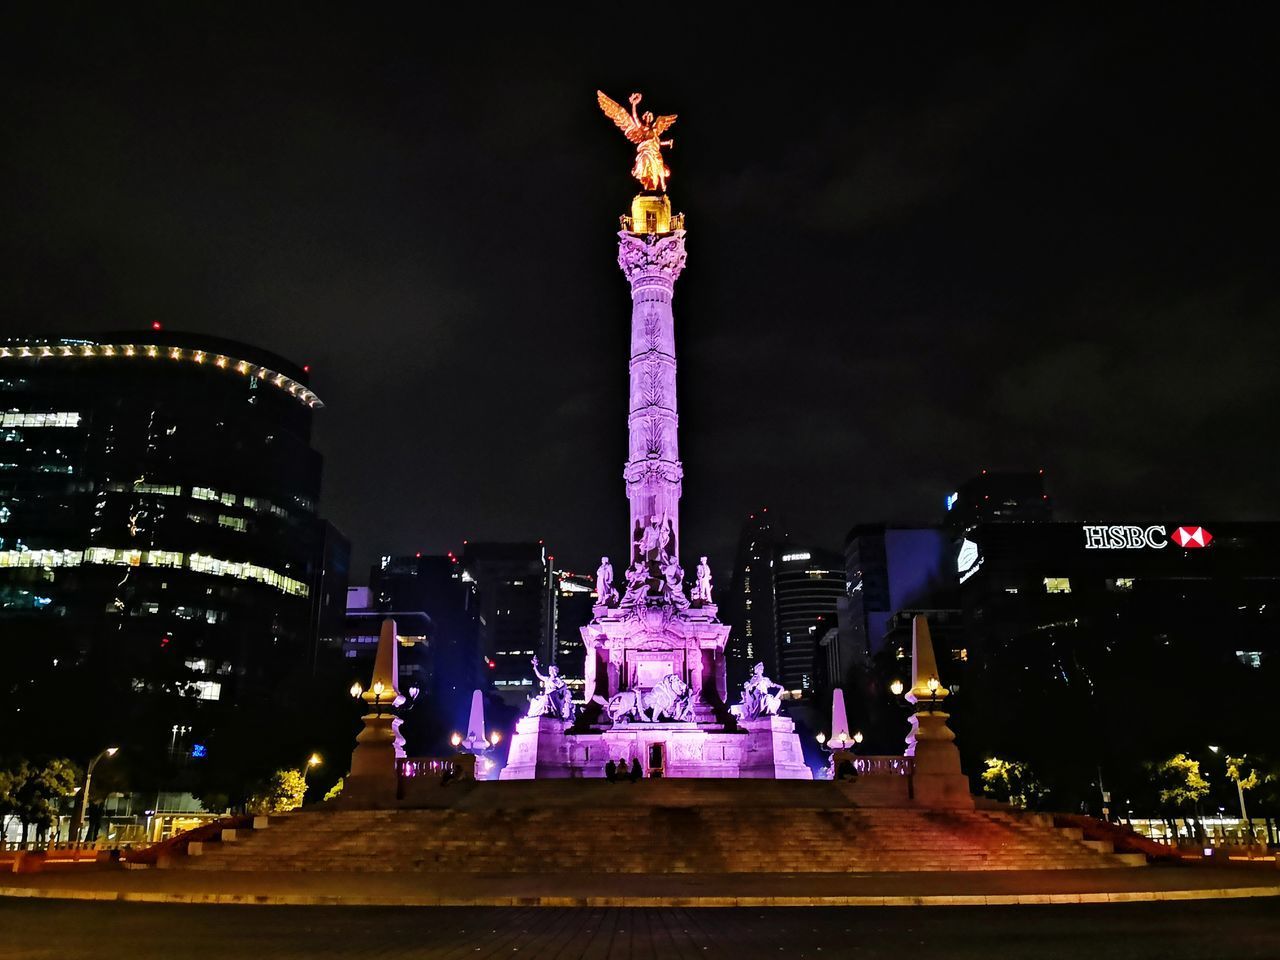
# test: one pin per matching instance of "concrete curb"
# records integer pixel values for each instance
(314, 900)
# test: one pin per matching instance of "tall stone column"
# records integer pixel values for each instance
(651, 263)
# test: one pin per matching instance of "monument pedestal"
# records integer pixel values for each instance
(938, 780)
(772, 750)
(539, 749)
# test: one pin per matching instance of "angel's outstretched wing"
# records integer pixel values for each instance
(621, 118)
(663, 123)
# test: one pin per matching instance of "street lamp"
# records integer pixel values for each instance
(83, 806)
(933, 685)
(896, 688)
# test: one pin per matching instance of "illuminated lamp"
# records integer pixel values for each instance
(495, 737)
(156, 325)
(456, 739)
(356, 690)
(896, 688)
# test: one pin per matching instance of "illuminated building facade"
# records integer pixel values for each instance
(573, 597)
(750, 607)
(890, 569)
(808, 585)
(514, 589)
(783, 599)
(160, 549)
(435, 591)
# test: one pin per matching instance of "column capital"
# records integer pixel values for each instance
(643, 256)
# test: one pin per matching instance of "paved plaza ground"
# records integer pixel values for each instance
(1203, 930)
(426, 889)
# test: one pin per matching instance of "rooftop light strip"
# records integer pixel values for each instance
(52, 351)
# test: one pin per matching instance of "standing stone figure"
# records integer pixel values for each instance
(757, 700)
(555, 700)
(701, 582)
(605, 593)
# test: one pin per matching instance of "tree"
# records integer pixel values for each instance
(40, 791)
(9, 781)
(281, 792)
(1011, 781)
(1181, 785)
(335, 790)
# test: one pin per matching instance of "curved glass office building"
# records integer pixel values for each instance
(161, 557)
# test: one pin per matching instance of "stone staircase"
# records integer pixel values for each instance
(656, 827)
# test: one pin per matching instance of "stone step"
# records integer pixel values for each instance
(687, 838)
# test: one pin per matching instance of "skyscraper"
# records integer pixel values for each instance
(783, 599)
(513, 593)
(161, 557)
(808, 584)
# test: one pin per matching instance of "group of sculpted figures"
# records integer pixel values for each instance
(650, 553)
(670, 699)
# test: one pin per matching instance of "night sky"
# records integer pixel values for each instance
(916, 248)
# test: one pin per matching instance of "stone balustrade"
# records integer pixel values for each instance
(883, 766)
(457, 767)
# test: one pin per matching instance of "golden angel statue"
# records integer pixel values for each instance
(645, 131)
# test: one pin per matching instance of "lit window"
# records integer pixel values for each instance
(206, 689)
(39, 419)
(1057, 585)
(1120, 584)
(231, 523)
(39, 558)
(1250, 658)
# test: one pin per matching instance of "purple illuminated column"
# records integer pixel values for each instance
(651, 263)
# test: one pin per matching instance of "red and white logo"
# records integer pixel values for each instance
(1191, 537)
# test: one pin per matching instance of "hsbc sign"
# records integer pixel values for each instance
(1143, 538)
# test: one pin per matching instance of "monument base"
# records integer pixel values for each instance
(773, 750)
(938, 780)
(768, 748)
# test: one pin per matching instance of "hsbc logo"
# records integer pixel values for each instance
(1125, 538)
(1143, 538)
(1192, 538)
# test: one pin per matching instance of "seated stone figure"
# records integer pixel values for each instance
(758, 700)
(555, 699)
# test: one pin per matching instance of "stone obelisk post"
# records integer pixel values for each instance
(373, 777)
(651, 255)
(938, 780)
